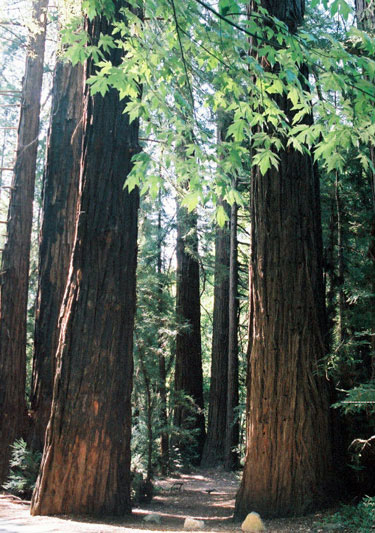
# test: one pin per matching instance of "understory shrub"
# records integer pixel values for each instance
(24, 468)
(356, 518)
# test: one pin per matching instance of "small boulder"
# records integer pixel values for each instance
(192, 524)
(152, 517)
(253, 523)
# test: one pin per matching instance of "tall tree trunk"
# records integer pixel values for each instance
(86, 460)
(232, 428)
(340, 264)
(60, 190)
(188, 371)
(149, 411)
(3, 150)
(330, 277)
(214, 448)
(289, 452)
(15, 261)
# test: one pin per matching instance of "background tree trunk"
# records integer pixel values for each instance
(341, 330)
(289, 453)
(86, 461)
(188, 372)
(15, 260)
(365, 15)
(330, 276)
(214, 448)
(232, 427)
(60, 190)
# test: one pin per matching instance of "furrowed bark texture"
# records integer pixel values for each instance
(288, 457)
(188, 371)
(365, 15)
(289, 454)
(60, 192)
(232, 426)
(214, 448)
(15, 260)
(289, 11)
(86, 461)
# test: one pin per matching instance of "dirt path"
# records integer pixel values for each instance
(205, 495)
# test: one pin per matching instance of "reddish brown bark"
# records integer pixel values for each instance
(60, 191)
(15, 259)
(289, 458)
(188, 371)
(232, 427)
(86, 461)
(214, 448)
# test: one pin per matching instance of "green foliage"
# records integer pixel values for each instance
(24, 468)
(337, 7)
(192, 61)
(184, 450)
(155, 330)
(355, 518)
(361, 398)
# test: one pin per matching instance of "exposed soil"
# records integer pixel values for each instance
(205, 495)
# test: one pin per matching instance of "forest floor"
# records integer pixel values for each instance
(205, 495)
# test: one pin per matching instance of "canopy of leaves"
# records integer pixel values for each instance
(193, 59)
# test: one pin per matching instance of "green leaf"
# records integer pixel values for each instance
(228, 6)
(132, 181)
(106, 42)
(290, 76)
(341, 7)
(133, 110)
(296, 144)
(221, 216)
(234, 196)
(237, 130)
(293, 95)
(276, 87)
(265, 159)
(191, 200)
(89, 8)
(98, 85)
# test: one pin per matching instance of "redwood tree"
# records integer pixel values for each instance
(60, 189)
(232, 426)
(221, 430)
(213, 453)
(15, 260)
(86, 461)
(188, 371)
(289, 453)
